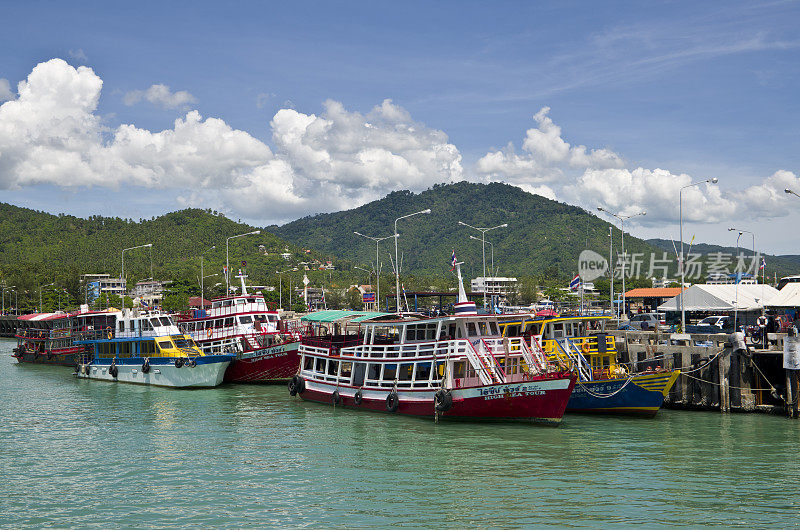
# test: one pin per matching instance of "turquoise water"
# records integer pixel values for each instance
(91, 453)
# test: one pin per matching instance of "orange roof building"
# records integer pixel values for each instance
(653, 292)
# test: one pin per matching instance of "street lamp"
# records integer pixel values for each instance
(228, 265)
(483, 242)
(621, 219)
(3, 294)
(123, 266)
(754, 242)
(202, 286)
(396, 254)
(682, 264)
(791, 192)
(377, 240)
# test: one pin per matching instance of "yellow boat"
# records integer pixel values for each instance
(581, 344)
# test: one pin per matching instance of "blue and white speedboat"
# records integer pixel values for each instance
(145, 348)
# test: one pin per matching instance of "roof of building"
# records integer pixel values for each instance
(653, 292)
(722, 297)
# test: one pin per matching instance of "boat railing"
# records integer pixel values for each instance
(110, 333)
(577, 360)
(226, 311)
(39, 334)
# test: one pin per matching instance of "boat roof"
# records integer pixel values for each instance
(43, 316)
(334, 315)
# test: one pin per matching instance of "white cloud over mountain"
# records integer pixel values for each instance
(51, 133)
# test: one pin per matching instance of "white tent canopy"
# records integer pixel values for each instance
(789, 296)
(722, 297)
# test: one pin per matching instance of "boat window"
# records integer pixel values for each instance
(472, 331)
(439, 369)
(308, 363)
(155, 322)
(459, 369)
(513, 330)
(423, 372)
(493, 329)
(164, 344)
(320, 365)
(181, 342)
(147, 347)
(459, 332)
(482, 327)
(241, 301)
(389, 372)
(247, 319)
(122, 325)
(273, 318)
(226, 303)
(451, 330)
(333, 367)
(347, 370)
(146, 325)
(558, 330)
(406, 371)
(125, 349)
(131, 325)
(165, 321)
(536, 329)
(229, 322)
(374, 371)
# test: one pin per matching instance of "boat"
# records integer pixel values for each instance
(581, 344)
(143, 347)
(449, 367)
(265, 346)
(46, 338)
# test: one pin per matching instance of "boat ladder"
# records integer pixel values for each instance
(536, 361)
(578, 361)
(484, 363)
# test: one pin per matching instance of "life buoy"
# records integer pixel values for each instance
(109, 333)
(179, 362)
(585, 347)
(392, 402)
(336, 398)
(358, 397)
(209, 332)
(443, 400)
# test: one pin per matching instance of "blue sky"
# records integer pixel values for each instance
(700, 90)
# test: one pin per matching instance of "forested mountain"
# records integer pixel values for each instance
(782, 265)
(38, 248)
(543, 237)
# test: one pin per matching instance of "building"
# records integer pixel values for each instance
(493, 285)
(649, 298)
(98, 284)
(149, 292)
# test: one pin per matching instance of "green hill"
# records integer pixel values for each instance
(38, 248)
(543, 238)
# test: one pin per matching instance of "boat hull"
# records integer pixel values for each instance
(542, 401)
(59, 358)
(643, 396)
(266, 365)
(209, 371)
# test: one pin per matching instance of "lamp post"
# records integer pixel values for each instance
(682, 264)
(755, 267)
(123, 266)
(280, 288)
(397, 254)
(202, 285)
(491, 247)
(622, 219)
(611, 267)
(40, 294)
(227, 263)
(369, 272)
(791, 192)
(377, 241)
(483, 241)
(4, 289)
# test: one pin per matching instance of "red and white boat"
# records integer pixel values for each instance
(46, 338)
(448, 367)
(265, 346)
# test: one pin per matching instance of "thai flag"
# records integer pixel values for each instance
(453, 261)
(403, 287)
(763, 263)
(575, 283)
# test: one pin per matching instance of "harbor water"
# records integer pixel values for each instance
(90, 453)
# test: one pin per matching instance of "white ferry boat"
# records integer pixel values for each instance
(145, 348)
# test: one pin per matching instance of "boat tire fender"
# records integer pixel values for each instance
(191, 363)
(146, 366)
(179, 362)
(443, 400)
(336, 398)
(113, 371)
(392, 402)
(297, 385)
(358, 397)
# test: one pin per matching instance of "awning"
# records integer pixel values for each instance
(789, 296)
(722, 297)
(333, 315)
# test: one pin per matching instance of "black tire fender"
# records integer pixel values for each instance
(392, 402)
(358, 397)
(179, 362)
(443, 400)
(336, 398)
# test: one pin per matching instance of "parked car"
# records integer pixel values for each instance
(713, 324)
(648, 322)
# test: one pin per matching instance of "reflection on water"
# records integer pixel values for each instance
(78, 452)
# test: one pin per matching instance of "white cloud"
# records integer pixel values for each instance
(52, 134)
(160, 95)
(5, 90)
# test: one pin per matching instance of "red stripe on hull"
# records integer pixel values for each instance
(268, 367)
(548, 406)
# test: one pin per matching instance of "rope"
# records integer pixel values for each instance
(729, 386)
(605, 396)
